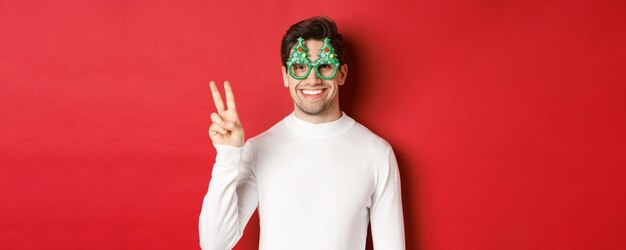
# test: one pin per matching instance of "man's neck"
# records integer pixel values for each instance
(330, 115)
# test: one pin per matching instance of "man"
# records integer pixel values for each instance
(317, 176)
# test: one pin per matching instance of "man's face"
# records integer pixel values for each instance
(314, 96)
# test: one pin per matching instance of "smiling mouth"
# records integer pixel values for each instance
(312, 93)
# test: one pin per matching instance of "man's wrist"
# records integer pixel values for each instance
(227, 153)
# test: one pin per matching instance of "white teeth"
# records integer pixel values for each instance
(311, 92)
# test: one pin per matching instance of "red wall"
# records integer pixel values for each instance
(508, 117)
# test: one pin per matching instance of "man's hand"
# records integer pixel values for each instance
(226, 128)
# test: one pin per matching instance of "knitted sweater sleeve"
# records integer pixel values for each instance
(231, 198)
(386, 218)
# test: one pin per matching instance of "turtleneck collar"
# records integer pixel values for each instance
(318, 130)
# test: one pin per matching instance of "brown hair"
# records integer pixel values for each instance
(316, 28)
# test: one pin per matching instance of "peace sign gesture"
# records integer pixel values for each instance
(226, 128)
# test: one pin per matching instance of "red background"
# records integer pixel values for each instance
(507, 117)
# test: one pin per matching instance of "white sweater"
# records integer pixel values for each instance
(317, 186)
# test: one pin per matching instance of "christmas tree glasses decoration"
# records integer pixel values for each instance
(326, 65)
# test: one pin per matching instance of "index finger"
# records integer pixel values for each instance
(217, 98)
(230, 97)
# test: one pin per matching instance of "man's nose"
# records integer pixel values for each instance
(312, 78)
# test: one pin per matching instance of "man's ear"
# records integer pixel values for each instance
(285, 77)
(343, 73)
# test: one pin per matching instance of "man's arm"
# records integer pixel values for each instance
(232, 195)
(387, 220)
(231, 199)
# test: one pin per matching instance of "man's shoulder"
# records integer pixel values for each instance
(364, 136)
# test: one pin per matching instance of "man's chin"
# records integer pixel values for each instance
(313, 111)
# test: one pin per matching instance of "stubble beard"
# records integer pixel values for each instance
(313, 110)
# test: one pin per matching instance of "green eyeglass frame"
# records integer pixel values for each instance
(327, 56)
